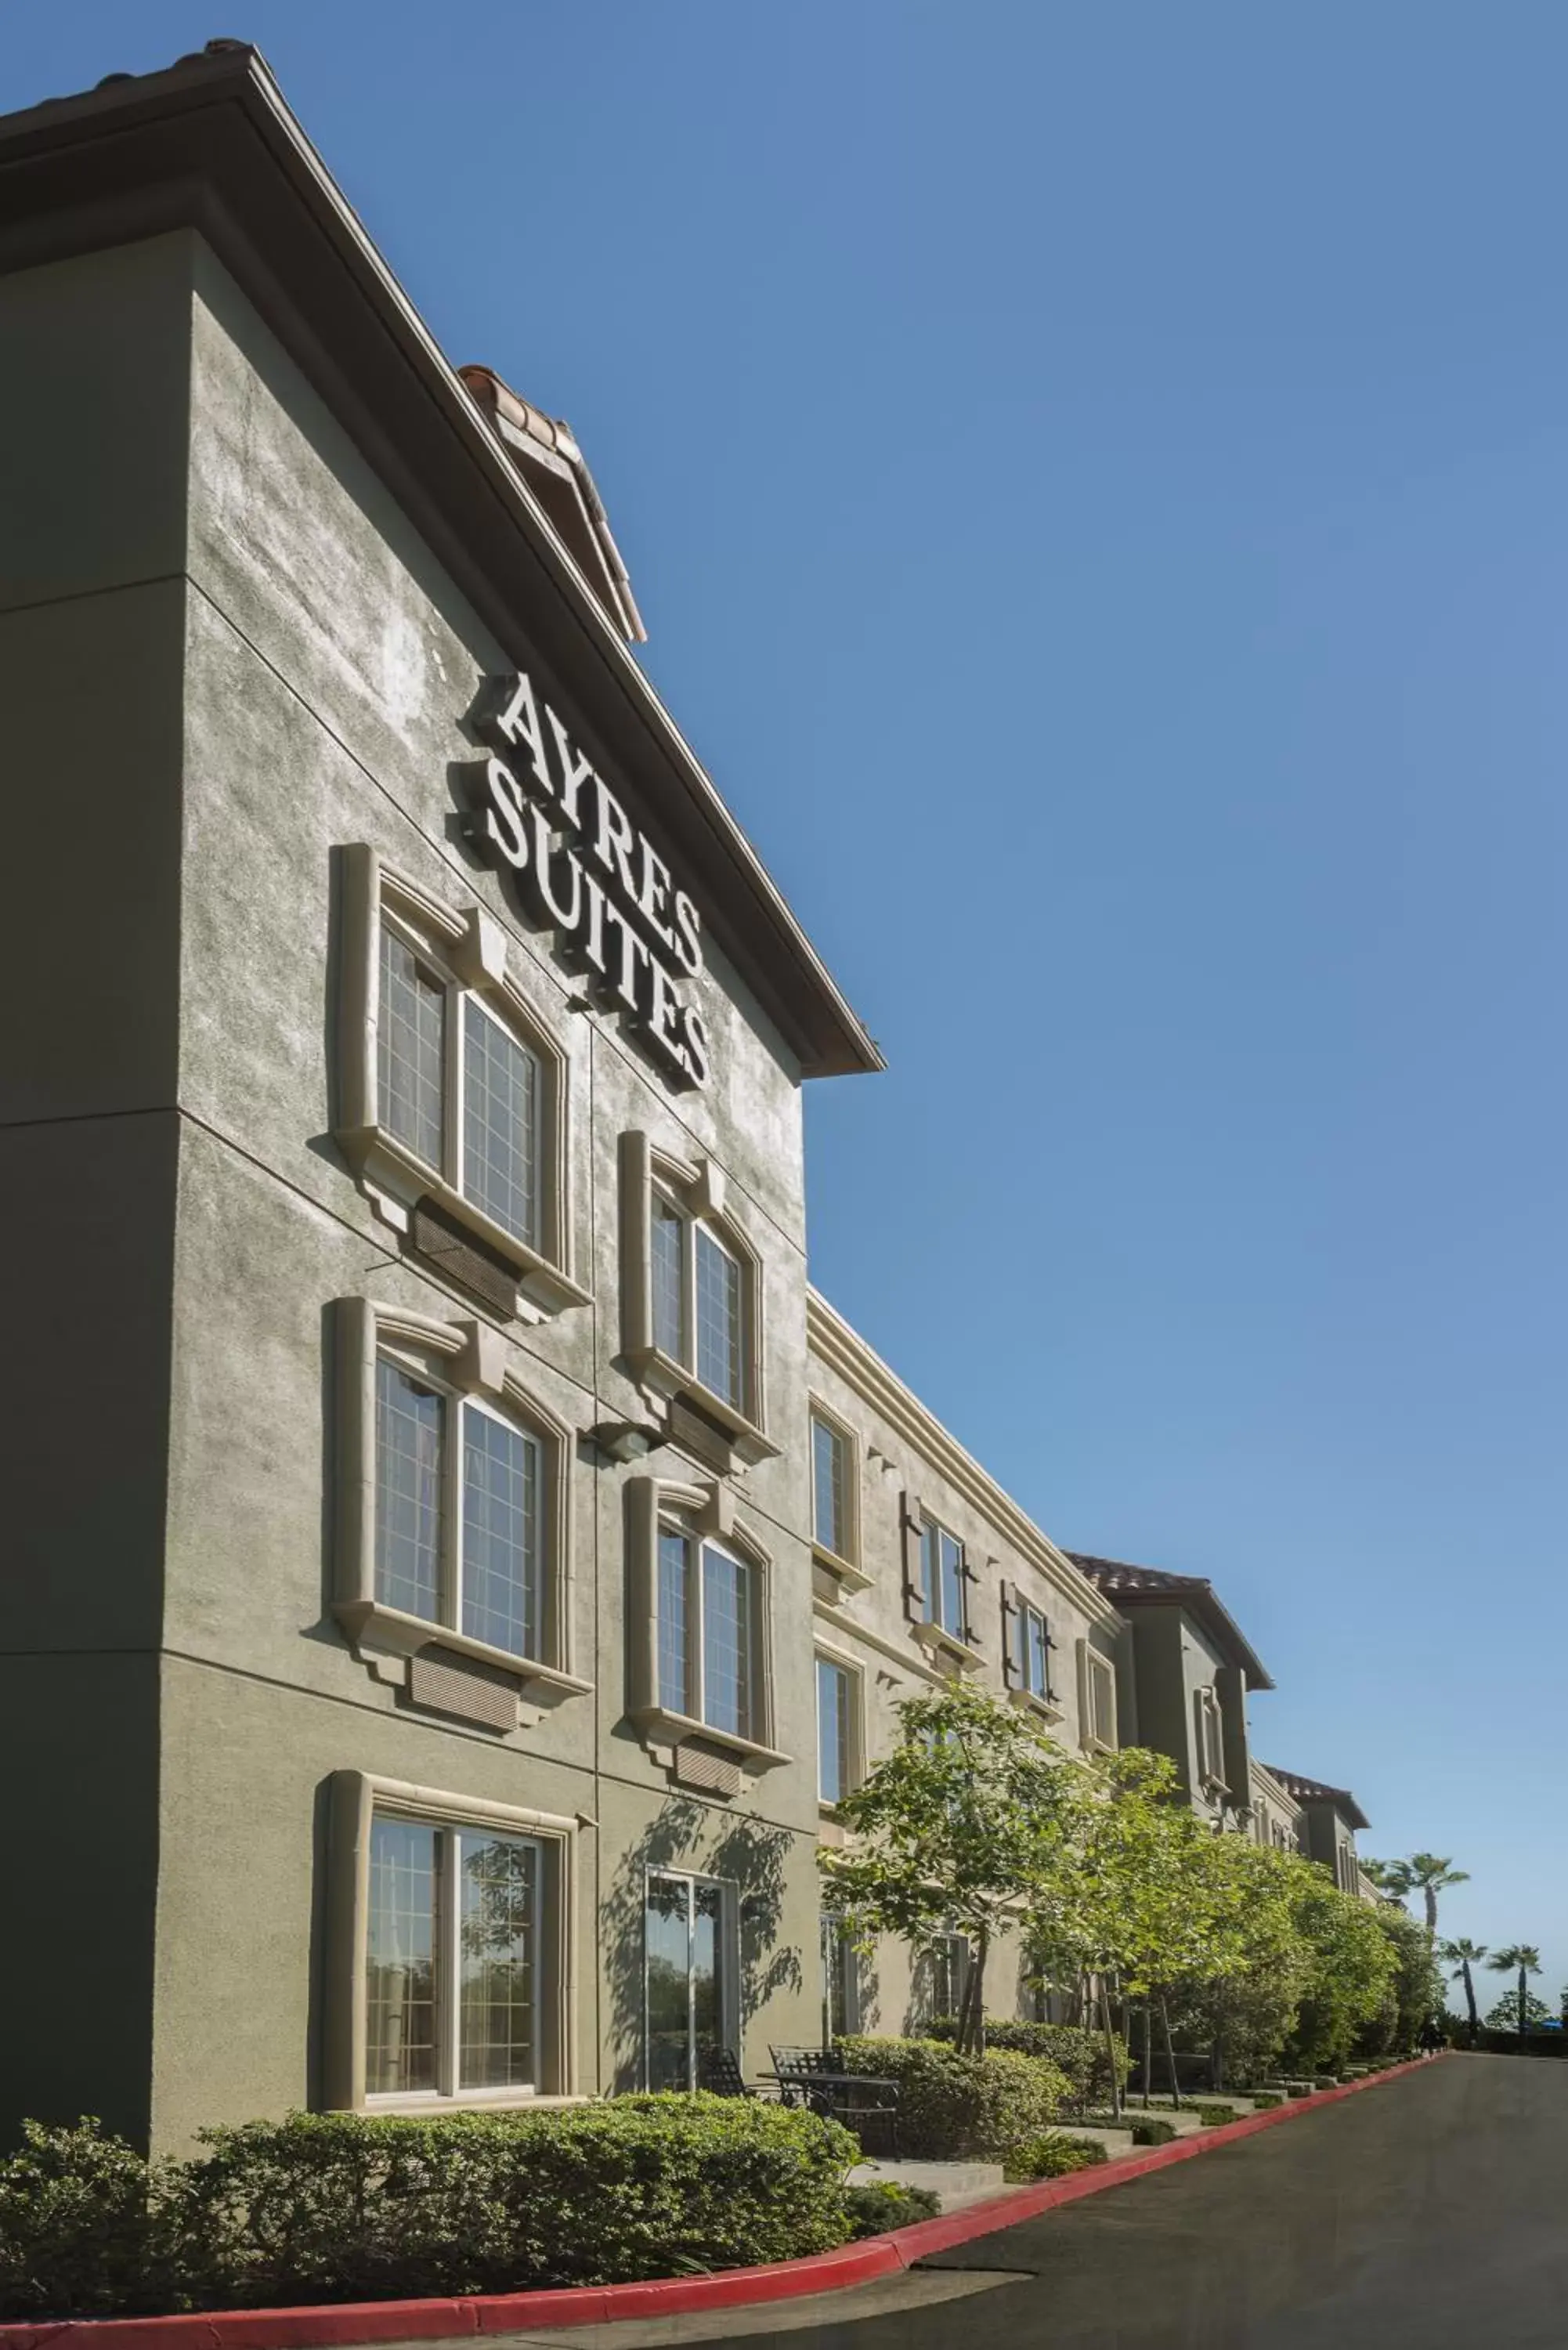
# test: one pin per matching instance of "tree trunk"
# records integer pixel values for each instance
(1470, 2001)
(1524, 1995)
(1111, 2052)
(976, 1989)
(1431, 1893)
(1169, 2051)
(1148, 2053)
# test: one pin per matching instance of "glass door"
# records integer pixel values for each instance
(686, 1978)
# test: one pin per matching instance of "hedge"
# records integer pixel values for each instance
(1147, 2130)
(1081, 2054)
(886, 2204)
(1213, 2112)
(1053, 2154)
(351, 2207)
(953, 2107)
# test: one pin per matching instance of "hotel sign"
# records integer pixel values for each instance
(586, 872)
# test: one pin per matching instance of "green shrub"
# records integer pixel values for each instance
(1081, 2054)
(956, 2108)
(1149, 2131)
(887, 2204)
(1265, 2100)
(1053, 2154)
(352, 2207)
(1213, 2112)
(84, 2226)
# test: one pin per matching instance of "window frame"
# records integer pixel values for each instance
(703, 1514)
(356, 1799)
(473, 958)
(699, 1549)
(844, 1566)
(854, 1740)
(1208, 1740)
(1093, 1661)
(697, 1195)
(466, 1361)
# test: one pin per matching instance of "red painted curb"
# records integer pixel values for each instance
(335, 2327)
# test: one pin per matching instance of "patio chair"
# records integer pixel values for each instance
(815, 2078)
(719, 2072)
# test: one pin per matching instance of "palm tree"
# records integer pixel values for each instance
(1460, 1957)
(1428, 1877)
(1527, 1959)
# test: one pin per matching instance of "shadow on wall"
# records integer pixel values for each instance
(746, 1854)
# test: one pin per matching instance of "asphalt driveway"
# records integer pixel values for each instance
(1430, 2211)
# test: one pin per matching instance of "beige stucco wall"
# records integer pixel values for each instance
(899, 1449)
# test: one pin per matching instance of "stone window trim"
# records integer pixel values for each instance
(463, 1357)
(356, 1797)
(847, 1662)
(846, 1568)
(1209, 1742)
(701, 1510)
(473, 950)
(1096, 1700)
(697, 1189)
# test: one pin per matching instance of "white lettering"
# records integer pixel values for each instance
(504, 817)
(521, 718)
(687, 945)
(575, 771)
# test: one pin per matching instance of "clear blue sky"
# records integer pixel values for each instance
(1097, 481)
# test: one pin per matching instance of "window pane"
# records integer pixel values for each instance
(726, 1643)
(668, 1983)
(408, 1494)
(951, 1618)
(718, 1319)
(498, 1935)
(502, 1534)
(666, 1241)
(399, 1959)
(707, 1972)
(1037, 1672)
(931, 1573)
(499, 1124)
(674, 1638)
(828, 1464)
(410, 1030)
(833, 1694)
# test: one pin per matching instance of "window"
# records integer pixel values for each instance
(454, 1506)
(699, 1301)
(707, 1617)
(840, 1981)
(948, 1959)
(460, 1514)
(698, 1614)
(1035, 1646)
(1097, 1699)
(450, 1948)
(690, 1302)
(688, 1976)
(471, 1115)
(830, 1487)
(836, 1743)
(942, 1572)
(1209, 1738)
(452, 1092)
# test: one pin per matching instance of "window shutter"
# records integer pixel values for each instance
(969, 1579)
(1009, 1619)
(1086, 1702)
(914, 1559)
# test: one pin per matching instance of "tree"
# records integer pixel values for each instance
(1416, 1990)
(970, 1821)
(1351, 1972)
(1525, 1958)
(1504, 2016)
(1460, 1958)
(1423, 1872)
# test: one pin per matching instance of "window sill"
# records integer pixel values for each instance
(949, 1645)
(675, 1728)
(475, 2101)
(846, 1574)
(1044, 1708)
(389, 1632)
(387, 1166)
(663, 1376)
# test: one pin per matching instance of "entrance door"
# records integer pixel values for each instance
(687, 1978)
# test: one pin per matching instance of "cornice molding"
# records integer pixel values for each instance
(844, 1350)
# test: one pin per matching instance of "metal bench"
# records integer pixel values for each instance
(815, 2078)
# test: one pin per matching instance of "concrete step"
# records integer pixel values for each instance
(957, 2183)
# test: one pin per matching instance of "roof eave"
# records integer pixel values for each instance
(792, 984)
